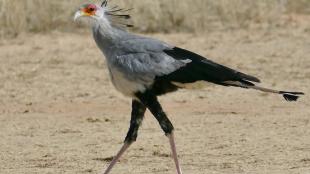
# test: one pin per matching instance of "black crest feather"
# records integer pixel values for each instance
(118, 16)
(104, 3)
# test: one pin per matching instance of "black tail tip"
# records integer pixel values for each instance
(292, 96)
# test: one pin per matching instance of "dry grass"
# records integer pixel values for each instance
(18, 16)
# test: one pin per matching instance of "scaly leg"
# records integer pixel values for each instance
(174, 152)
(137, 114)
(116, 158)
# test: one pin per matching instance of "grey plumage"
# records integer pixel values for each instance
(134, 60)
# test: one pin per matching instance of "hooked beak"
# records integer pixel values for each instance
(78, 14)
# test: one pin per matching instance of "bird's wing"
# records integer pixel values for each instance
(136, 43)
(144, 59)
(149, 59)
(201, 68)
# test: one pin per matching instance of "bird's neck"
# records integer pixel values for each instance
(106, 35)
(108, 31)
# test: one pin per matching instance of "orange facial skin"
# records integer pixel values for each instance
(90, 9)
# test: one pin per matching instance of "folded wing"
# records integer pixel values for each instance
(202, 69)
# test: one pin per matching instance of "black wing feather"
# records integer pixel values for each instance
(203, 69)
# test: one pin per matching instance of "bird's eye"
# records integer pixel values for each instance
(91, 9)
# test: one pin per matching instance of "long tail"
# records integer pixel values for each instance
(288, 96)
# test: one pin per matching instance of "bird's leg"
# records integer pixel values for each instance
(137, 113)
(174, 152)
(116, 158)
(151, 102)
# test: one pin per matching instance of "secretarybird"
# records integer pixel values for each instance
(143, 68)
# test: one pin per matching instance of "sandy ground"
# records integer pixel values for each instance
(59, 114)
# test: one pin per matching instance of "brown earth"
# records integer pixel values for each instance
(60, 114)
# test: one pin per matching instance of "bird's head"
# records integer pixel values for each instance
(112, 15)
(89, 10)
